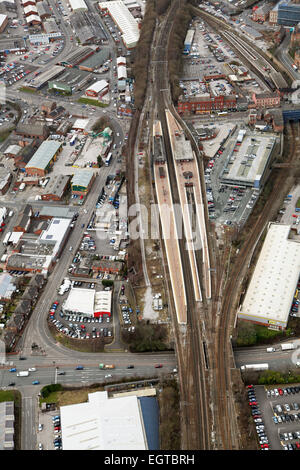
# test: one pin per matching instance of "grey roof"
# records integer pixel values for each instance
(44, 154)
(57, 184)
(56, 211)
(82, 178)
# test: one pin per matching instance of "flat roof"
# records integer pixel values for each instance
(78, 5)
(124, 20)
(273, 283)
(246, 163)
(80, 123)
(44, 154)
(81, 301)
(103, 424)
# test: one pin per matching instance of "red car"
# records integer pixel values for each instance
(297, 445)
(280, 391)
(249, 386)
(158, 366)
(252, 403)
(57, 428)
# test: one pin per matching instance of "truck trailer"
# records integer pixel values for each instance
(287, 346)
(255, 367)
(106, 366)
(23, 373)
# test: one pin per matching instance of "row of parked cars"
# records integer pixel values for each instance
(257, 418)
(57, 432)
(276, 392)
(289, 436)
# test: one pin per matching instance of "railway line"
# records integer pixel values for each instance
(227, 311)
(193, 383)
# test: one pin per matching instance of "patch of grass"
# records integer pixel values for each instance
(27, 90)
(92, 102)
(4, 135)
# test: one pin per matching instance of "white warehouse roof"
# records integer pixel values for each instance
(2, 19)
(99, 86)
(122, 73)
(81, 301)
(272, 287)
(78, 5)
(103, 424)
(124, 20)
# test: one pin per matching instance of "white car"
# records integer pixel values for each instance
(41, 427)
(32, 369)
(108, 376)
(40, 446)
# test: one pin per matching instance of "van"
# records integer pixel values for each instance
(270, 350)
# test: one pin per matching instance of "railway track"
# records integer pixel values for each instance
(195, 421)
(223, 379)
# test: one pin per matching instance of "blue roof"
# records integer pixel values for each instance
(150, 412)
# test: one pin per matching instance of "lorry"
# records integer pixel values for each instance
(255, 367)
(287, 346)
(106, 366)
(23, 373)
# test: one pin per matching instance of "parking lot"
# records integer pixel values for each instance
(276, 413)
(49, 431)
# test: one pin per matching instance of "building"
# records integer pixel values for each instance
(88, 302)
(7, 425)
(107, 266)
(124, 20)
(261, 13)
(47, 75)
(247, 158)
(59, 88)
(82, 182)
(288, 14)
(23, 220)
(33, 131)
(43, 10)
(266, 100)
(78, 5)
(127, 421)
(44, 158)
(3, 22)
(56, 188)
(7, 287)
(206, 103)
(37, 253)
(272, 287)
(5, 180)
(98, 89)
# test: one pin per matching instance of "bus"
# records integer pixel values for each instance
(108, 159)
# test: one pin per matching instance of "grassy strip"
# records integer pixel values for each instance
(15, 396)
(27, 90)
(92, 102)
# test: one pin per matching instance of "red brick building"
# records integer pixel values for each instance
(266, 100)
(206, 103)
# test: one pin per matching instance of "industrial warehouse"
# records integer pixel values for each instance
(272, 287)
(111, 423)
(88, 302)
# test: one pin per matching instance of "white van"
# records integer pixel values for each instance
(270, 349)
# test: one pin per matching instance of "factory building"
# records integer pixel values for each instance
(273, 284)
(120, 421)
(98, 89)
(82, 182)
(43, 159)
(78, 5)
(124, 21)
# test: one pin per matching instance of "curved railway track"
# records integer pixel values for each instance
(228, 311)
